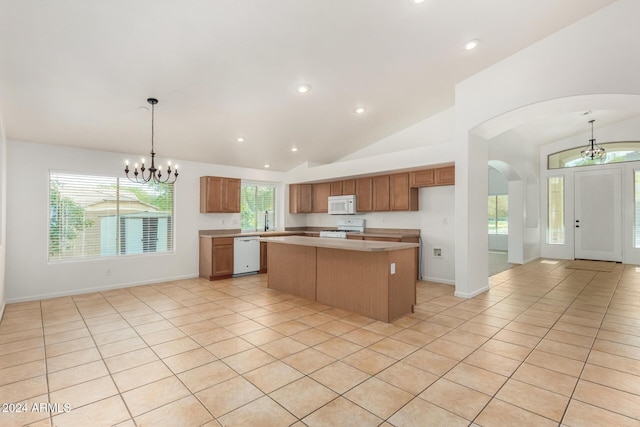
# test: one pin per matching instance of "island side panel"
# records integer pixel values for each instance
(402, 284)
(354, 280)
(292, 269)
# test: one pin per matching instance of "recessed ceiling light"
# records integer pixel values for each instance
(360, 110)
(294, 149)
(239, 139)
(304, 88)
(267, 165)
(418, 1)
(471, 44)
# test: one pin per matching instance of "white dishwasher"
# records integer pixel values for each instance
(246, 255)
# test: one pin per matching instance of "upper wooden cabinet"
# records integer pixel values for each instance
(321, 194)
(348, 187)
(446, 176)
(380, 193)
(423, 178)
(402, 196)
(300, 198)
(219, 194)
(433, 177)
(364, 195)
(336, 188)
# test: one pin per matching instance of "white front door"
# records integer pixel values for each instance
(598, 215)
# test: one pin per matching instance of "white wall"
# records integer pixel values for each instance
(28, 273)
(427, 143)
(543, 74)
(434, 219)
(517, 160)
(627, 130)
(3, 215)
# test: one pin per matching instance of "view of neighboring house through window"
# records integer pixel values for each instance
(257, 206)
(498, 214)
(555, 214)
(94, 216)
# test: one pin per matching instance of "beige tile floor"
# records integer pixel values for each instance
(546, 345)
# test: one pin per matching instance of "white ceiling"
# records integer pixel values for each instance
(76, 72)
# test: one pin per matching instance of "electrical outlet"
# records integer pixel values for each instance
(393, 268)
(108, 272)
(437, 252)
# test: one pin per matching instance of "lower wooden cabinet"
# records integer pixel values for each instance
(216, 258)
(263, 257)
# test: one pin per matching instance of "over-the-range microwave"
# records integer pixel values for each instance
(342, 205)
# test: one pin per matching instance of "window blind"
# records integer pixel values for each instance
(257, 206)
(94, 216)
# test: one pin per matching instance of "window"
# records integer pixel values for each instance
(616, 152)
(555, 212)
(94, 216)
(257, 206)
(499, 214)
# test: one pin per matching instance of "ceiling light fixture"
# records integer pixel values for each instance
(360, 110)
(471, 44)
(267, 165)
(418, 1)
(154, 174)
(593, 150)
(239, 139)
(294, 149)
(304, 88)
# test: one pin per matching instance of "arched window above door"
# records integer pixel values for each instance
(616, 152)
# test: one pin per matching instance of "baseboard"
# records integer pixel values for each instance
(99, 289)
(531, 259)
(472, 294)
(2, 311)
(439, 280)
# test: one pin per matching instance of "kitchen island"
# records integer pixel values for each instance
(372, 278)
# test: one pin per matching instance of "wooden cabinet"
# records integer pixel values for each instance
(216, 257)
(402, 196)
(364, 195)
(321, 197)
(336, 188)
(398, 239)
(348, 187)
(354, 237)
(263, 257)
(300, 198)
(218, 194)
(423, 178)
(345, 187)
(433, 177)
(446, 176)
(380, 193)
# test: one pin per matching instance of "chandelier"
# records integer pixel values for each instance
(151, 173)
(593, 151)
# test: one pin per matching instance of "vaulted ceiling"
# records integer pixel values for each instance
(78, 72)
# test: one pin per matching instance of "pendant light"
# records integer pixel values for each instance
(151, 174)
(593, 151)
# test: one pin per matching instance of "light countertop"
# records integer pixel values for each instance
(345, 244)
